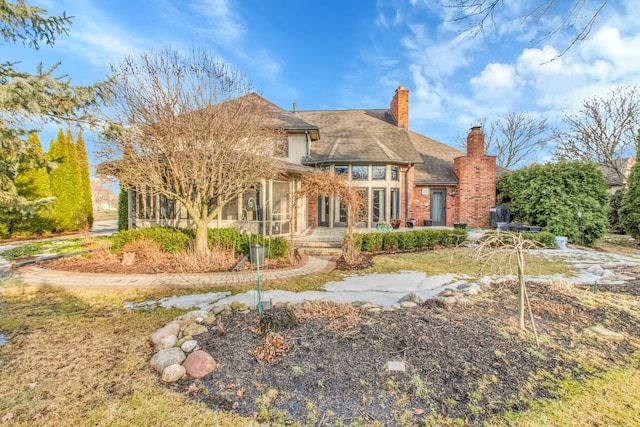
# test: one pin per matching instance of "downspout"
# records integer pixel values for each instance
(306, 137)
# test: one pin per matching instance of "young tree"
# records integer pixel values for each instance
(604, 130)
(515, 138)
(192, 131)
(29, 100)
(568, 199)
(575, 17)
(83, 163)
(629, 212)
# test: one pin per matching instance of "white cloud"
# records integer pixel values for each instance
(495, 80)
(221, 22)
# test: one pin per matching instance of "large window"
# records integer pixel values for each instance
(378, 205)
(341, 169)
(379, 172)
(167, 208)
(395, 203)
(230, 210)
(359, 173)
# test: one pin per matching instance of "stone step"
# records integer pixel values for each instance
(320, 251)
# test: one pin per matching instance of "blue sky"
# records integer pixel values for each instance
(354, 54)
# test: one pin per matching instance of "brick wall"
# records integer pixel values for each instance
(476, 191)
(312, 212)
(400, 107)
(421, 208)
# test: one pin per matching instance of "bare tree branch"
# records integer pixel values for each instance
(603, 131)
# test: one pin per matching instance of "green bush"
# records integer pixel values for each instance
(615, 222)
(278, 247)
(227, 239)
(406, 240)
(409, 240)
(629, 211)
(543, 238)
(171, 239)
(371, 242)
(552, 195)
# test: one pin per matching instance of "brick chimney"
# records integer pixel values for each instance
(400, 107)
(476, 190)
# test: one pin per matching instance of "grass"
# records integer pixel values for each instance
(54, 247)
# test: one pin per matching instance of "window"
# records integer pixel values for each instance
(341, 169)
(395, 203)
(167, 208)
(395, 173)
(359, 173)
(379, 172)
(230, 210)
(378, 205)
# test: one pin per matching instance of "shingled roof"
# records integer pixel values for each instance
(437, 161)
(359, 136)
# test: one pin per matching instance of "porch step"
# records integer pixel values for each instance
(320, 251)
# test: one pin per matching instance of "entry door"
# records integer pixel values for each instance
(323, 211)
(438, 212)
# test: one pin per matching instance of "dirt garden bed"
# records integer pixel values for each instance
(463, 363)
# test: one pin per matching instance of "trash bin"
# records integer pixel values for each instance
(428, 223)
(411, 223)
(257, 254)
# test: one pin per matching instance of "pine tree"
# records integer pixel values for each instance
(83, 163)
(66, 184)
(123, 208)
(629, 212)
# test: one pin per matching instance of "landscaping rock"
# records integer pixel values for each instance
(239, 306)
(171, 328)
(197, 315)
(209, 319)
(411, 297)
(173, 373)
(408, 304)
(218, 308)
(446, 300)
(167, 357)
(447, 293)
(606, 333)
(194, 329)
(166, 342)
(484, 281)
(199, 364)
(189, 346)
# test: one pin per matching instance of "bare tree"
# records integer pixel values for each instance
(514, 139)
(189, 128)
(575, 17)
(328, 184)
(604, 130)
(101, 192)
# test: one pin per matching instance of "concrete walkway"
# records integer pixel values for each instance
(37, 276)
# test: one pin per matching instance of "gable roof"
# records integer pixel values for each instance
(282, 119)
(358, 136)
(437, 161)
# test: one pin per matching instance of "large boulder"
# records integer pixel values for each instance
(199, 363)
(167, 357)
(171, 328)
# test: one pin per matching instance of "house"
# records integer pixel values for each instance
(616, 182)
(402, 174)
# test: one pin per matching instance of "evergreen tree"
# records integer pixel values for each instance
(66, 184)
(629, 212)
(32, 183)
(30, 100)
(83, 163)
(123, 208)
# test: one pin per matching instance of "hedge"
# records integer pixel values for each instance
(173, 240)
(408, 240)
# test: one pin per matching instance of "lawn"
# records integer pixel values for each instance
(76, 357)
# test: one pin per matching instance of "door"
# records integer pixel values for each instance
(323, 211)
(438, 212)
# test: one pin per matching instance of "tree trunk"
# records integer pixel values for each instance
(201, 244)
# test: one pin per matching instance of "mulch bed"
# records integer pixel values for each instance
(466, 362)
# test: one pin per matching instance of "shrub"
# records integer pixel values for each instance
(372, 242)
(390, 241)
(406, 240)
(226, 239)
(170, 239)
(552, 195)
(278, 247)
(615, 222)
(630, 205)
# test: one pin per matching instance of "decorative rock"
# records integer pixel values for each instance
(368, 306)
(167, 357)
(463, 286)
(209, 319)
(239, 306)
(484, 281)
(374, 310)
(446, 300)
(188, 346)
(195, 315)
(199, 364)
(595, 269)
(411, 297)
(183, 340)
(471, 291)
(218, 308)
(171, 328)
(608, 275)
(166, 342)
(408, 304)
(447, 293)
(606, 333)
(173, 373)
(194, 329)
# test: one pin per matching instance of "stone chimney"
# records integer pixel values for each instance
(476, 190)
(400, 107)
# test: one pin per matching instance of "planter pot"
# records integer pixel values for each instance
(411, 223)
(561, 242)
(428, 223)
(258, 253)
(459, 225)
(395, 223)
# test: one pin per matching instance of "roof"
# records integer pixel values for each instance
(359, 136)
(437, 161)
(282, 119)
(623, 165)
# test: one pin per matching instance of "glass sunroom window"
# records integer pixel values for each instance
(379, 172)
(359, 173)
